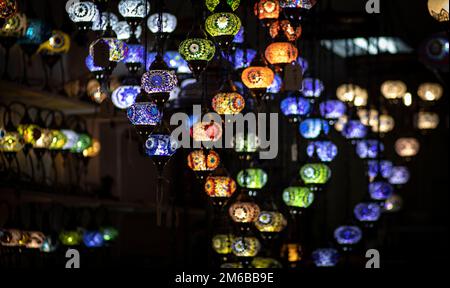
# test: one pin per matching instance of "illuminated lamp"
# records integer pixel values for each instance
(290, 32)
(169, 23)
(407, 147)
(93, 150)
(303, 4)
(325, 150)
(348, 235)
(393, 89)
(84, 141)
(380, 190)
(160, 145)
(144, 116)
(72, 138)
(393, 204)
(213, 4)
(14, 26)
(228, 101)
(245, 247)
(354, 129)
(135, 57)
(221, 243)
(332, 109)
(37, 32)
(430, 91)
(109, 233)
(265, 263)
(270, 222)
(312, 128)
(206, 131)
(276, 85)
(367, 212)
(123, 32)
(386, 124)
(242, 57)
(298, 197)
(252, 178)
(223, 26)
(11, 142)
(325, 257)
(93, 239)
(219, 188)
(35, 240)
(83, 13)
(312, 88)
(95, 91)
(50, 245)
(340, 123)
(125, 96)
(427, 120)
(349, 92)
(235, 265)
(258, 77)
(369, 148)
(315, 174)
(106, 20)
(203, 160)
(292, 252)
(158, 82)
(45, 140)
(244, 212)
(108, 51)
(134, 11)
(267, 11)
(8, 8)
(368, 117)
(59, 140)
(13, 238)
(70, 237)
(374, 167)
(400, 175)
(294, 106)
(58, 43)
(439, 10)
(248, 143)
(281, 53)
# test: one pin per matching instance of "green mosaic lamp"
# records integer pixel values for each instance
(297, 198)
(315, 175)
(223, 26)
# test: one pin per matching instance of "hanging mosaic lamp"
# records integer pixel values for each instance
(315, 175)
(221, 243)
(324, 150)
(354, 130)
(427, 120)
(203, 161)
(252, 178)
(400, 175)
(219, 188)
(258, 77)
(144, 115)
(244, 212)
(107, 51)
(407, 147)
(332, 109)
(245, 247)
(369, 148)
(125, 96)
(160, 147)
(269, 222)
(295, 106)
(312, 128)
(134, 11)
(267, 11)
(281, 53)
(8, 8)
(312, 88)
(325, 257)
(380, 190)
(82, 13)
(169, 23)
(348, 235)
(430, 91)
(228, 101)
(223, 26)
(298, 197)
(381, 168)
(367, 212)
(105, 21)
(393, 89)
(393, 204)
(14, 26)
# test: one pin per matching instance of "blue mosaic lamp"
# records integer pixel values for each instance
(332, 109)
(144, 116)
(312, 128)
(348, 235)
(354, 130)
(325, 150)
(380, 190)
(93, 239)
(400, 175)
(82, 13)
(325, 257)
(367, 212)
(369, 149)
(312, 88)
(134, 11)
(374, 167)
(125, 96)
(295, 106)
(160, 147)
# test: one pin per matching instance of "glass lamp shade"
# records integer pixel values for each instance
(220, 186)
(206, 131)
(407, 147)
(298, 197)
(159, 81)
(133, 8)
(325, 257)
(244, 212)
(265, 263)
(8, 8)
(93, 239)
(160, 145)
(304, 4)
(221, 243)
(29, 132)
(72, 138)
(116, 51)
(82, 11)
(197, 49)
(242, 57)
(400, 175)
(294, 106)
(427, 120)
(248, 143)
(374, 167)
(349, 92)
(276, 85)
(354, 129)
(234, 265)
(289, 31)
(201, 160)
(84, 141)
(13, 238)
(93, 150)
(101, 23)
(386, 124)
(135, 55)
(312, 88)
(89, 61)
(144, 114)
(124, 31)
(245, 246)
(212, 4)
(169, 23)
(228, 103)
(348, 235)
(95, 91)
(257, 77)
(439, 10)
(45, 140)
(223, 26)
(270, 221)
(393, 203)
(14, 26)
(279, 53)
(332, 109)
(380, 190)
(392, 90)
(59, 140)
(109, 233)
(11, 142)
(252, 178)
(369, 148)
(267, 10)
(312, 128)
(368, 117)
(292, 252)
(71, 237)
(367, 212)
(58, 43)
(315, 173)
(430, 91)
(125, 96)
(326, 151)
